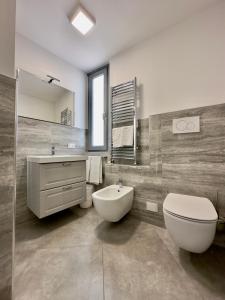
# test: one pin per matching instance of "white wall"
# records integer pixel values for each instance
(36, 108)
(34, 59)
(182, 67)
(7, 37)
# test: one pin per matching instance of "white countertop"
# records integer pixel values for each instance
(44, 159)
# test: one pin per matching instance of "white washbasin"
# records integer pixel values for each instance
(43, 159)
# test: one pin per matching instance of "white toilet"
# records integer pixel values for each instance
(113, 202)
(191, 221)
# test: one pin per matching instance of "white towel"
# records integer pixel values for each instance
(117, 136)
(123, 136)
(88, 165)
(95, 169)
(128, 135)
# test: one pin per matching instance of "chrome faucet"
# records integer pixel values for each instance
(120, 184)
(53, 150)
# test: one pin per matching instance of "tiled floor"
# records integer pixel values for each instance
(75, 255)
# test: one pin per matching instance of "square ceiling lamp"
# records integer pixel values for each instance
(82, 20)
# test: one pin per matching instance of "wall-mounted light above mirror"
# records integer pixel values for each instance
(44, 100)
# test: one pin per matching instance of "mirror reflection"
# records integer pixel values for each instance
(44, 100)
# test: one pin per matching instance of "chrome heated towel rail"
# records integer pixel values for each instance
(124, 113)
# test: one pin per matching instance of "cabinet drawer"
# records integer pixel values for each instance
(60, 198)
(59, 174)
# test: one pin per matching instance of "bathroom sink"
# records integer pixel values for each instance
(43, 159)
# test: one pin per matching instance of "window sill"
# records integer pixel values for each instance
(98, 153)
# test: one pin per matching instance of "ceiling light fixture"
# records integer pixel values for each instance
(82, 20)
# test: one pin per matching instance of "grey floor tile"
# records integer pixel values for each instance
(119, 232)
(77, 255)
(65, 229)
(60, 274)
(206, 271)
(142, 268)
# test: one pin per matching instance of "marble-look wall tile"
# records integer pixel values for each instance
(221, 203)
(6, 206)
(7, 182)
(36, 137)
(143, 157)
(195, 163)
(192, 163)
(155, 144)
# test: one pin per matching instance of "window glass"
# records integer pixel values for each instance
(98, 111)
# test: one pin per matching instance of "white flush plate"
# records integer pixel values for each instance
(71, 146)
(186, 125)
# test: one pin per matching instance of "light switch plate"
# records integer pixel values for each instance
(186, 125)
(152, 206)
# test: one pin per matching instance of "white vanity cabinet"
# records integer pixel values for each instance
(55, 185)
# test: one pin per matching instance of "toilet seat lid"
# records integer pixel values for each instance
(191, 207)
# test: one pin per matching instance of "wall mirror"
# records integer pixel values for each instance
(41, 100)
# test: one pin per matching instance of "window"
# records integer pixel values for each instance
(98, 109)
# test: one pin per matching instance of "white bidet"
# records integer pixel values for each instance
(113, 202)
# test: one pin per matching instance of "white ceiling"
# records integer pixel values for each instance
(120, 25)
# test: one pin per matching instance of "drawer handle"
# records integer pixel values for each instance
(66, 164)
(66, 188)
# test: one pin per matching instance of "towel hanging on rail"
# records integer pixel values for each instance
(123, 136)
(117, 137)
(128, 135)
